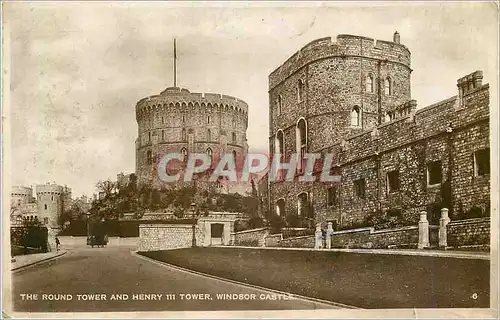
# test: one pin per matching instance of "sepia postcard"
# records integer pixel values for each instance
(250, 159)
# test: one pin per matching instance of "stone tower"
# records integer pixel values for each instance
(329, 90)
(179, 121)
(52, 199)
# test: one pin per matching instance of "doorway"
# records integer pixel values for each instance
(217, 232)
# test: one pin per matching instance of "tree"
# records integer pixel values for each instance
(106, 186)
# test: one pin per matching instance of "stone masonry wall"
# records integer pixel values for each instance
(470, 232)
(254, 237)
(273, 240)
(154, 237)
(449, 131)
(298, 242)
(369, 238)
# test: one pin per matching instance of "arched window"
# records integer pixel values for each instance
(301, 143)
(149, 157)
(280, 207)
(162, 120)
(184, 153)
(163, 135)
(303, 205)
(183, 118)
(369, 83)
(300, 90)
(234, 137)
(279, 104)
(387, 86)
(183, 135)
(149, 137)
(209, 154)
(234, 155)
(355, 117)
(208, 119)
(209, 135)
(279, 142)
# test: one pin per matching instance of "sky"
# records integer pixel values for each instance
(76, 70)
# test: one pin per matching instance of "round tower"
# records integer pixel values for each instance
(50, 201)
(20, 195)
(338, 87)
(179, 121)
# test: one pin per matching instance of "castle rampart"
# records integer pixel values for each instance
(345, 46)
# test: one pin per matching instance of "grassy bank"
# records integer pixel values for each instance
(362, 280)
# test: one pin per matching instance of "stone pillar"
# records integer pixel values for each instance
(329, 232)
(443, 222)
(318, 237)
(423, 231)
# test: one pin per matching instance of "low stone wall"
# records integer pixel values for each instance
(273, 240)
(295, 232)
(298, 242)
(252, 238)
(469, 233)
(405, 237)
(154, 237)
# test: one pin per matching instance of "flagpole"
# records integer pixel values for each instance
(175, 64)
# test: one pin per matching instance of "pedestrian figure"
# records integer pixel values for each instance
(57, 244)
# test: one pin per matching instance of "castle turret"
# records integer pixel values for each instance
(180, 121)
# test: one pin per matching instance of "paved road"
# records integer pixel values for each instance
(114, 270)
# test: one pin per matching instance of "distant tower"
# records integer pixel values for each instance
(51, 200)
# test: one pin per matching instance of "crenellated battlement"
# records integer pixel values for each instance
(173, 98)
(344, 46)
(413, 125)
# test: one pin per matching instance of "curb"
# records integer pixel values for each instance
(38, 262)
(424, 253)
(310, 299)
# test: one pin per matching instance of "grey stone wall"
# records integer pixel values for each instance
(369, 238)
(298, 242)
(254, 237)
(273, 240)
(154, 237)
(449, 131)
(470, 232)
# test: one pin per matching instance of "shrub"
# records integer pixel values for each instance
(276, 223)
(241, 225)
(179, 212)
(255, 223)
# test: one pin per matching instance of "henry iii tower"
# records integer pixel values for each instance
(180, 121)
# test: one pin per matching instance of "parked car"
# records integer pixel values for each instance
(99, 241)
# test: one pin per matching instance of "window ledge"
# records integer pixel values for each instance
(433, 185)
(482, 176)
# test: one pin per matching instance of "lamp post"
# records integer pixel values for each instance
(193, 209)
(88, 226)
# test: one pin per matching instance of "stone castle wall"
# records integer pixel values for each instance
(393, 135)
(470, 232)
(253, 237)
(167, 236)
